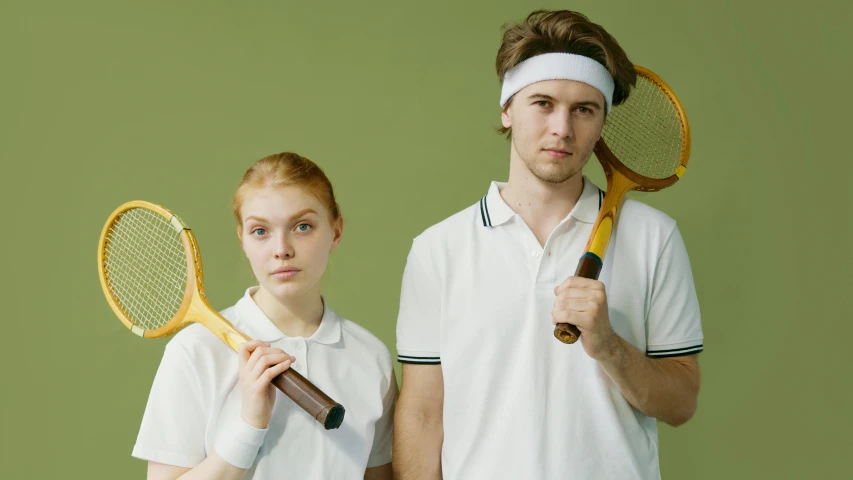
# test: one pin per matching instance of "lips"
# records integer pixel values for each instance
(557, 153)
(285, 273)
(285, 270)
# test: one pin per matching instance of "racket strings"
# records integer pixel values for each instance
(646, 133)
(145, 267)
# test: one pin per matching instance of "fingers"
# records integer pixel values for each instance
(579, 305)
(580, 299)
(248, 352)
(581, 315)
(580, 312)
(275, 371)
(578, 283)
(268, 367)
(245, 349)
(268, 361)
(258, 358)
(258, 354)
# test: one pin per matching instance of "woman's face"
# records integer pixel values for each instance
(287, 235)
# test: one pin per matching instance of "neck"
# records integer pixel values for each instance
(542, 205)
(295, 317)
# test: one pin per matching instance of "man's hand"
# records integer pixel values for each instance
(583, 303)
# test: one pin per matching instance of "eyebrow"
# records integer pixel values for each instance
(585, 103)
(292, 217)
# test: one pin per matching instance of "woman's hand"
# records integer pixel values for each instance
(259, 365)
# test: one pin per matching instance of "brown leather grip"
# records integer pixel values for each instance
(589, 266)
(325, 410)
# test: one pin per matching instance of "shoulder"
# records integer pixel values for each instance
(446, 232)
(199, 345)
(644, 236)
(637, 213)
(639, 221)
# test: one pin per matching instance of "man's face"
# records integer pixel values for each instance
(555, 125)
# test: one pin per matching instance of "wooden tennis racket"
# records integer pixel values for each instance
(644, 146)
(150, 270)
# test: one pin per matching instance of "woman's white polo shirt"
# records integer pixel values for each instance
(196, 395)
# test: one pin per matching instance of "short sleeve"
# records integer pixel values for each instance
(419, 318)
(674, 321)
(383, 437)
(173, 424)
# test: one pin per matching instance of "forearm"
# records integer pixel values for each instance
(417, 444)
(212, 468)
(663, 388)
(379, 473)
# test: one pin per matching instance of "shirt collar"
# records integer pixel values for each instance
(258, 326)
(494, 211)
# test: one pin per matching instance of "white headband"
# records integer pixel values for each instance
(558, 66)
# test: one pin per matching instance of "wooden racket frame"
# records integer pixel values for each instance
(195, 308)
(621, 180)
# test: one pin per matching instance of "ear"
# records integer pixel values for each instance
(338, 229)
(506, 115)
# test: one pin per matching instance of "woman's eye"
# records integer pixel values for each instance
(259, 231)
(303, 227)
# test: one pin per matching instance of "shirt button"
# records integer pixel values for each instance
(535, 254)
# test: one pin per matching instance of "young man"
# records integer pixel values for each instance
(487, 390)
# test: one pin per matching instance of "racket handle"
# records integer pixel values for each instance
(589, 266)
(325, 410)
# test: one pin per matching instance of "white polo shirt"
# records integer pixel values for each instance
(196, 393)
(477, 296)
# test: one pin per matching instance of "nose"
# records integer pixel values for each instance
(561, 125)
(284, 248)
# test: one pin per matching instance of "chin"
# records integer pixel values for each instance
(284, 290)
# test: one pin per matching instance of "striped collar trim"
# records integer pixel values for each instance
(494, 211)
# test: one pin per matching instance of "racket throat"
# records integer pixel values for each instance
(200, 311)
(617, 187)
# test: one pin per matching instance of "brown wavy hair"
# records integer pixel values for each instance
(565, 31)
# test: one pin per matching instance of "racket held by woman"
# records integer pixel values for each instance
(150, 270)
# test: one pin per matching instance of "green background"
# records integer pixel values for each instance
(102, 102)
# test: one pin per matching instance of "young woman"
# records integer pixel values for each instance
(212, 414)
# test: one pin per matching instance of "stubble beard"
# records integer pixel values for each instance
(566, 172)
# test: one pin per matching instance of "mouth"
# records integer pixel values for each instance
(284, 273)
(557, 152)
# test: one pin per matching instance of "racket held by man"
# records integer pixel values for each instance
(644, 146)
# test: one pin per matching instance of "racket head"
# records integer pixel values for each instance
(646, 138)
(149, 268)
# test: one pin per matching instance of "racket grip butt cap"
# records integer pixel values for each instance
(334, 417)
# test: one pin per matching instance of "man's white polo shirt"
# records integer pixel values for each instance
(477, 296)
(196, 394)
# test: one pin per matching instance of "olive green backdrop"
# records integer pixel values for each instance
(102, 102)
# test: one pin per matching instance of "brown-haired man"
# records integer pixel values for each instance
(487, 390)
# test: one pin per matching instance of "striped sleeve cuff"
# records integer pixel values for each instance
(674, 352)
(422, 360)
